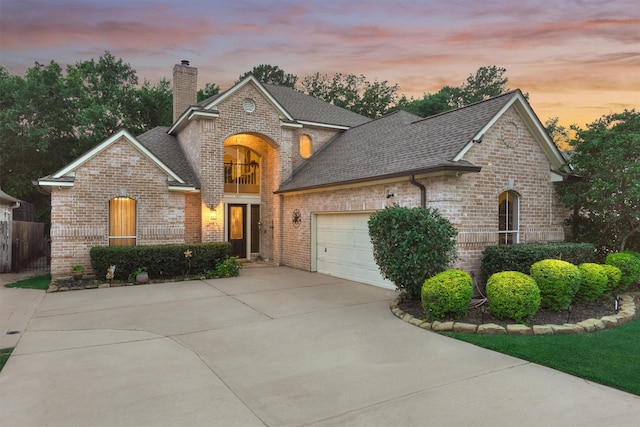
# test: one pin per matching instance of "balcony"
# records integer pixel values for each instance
(242, 177)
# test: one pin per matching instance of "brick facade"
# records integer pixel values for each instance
(80, 214)
(469, 201)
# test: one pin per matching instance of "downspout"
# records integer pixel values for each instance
(423, 190)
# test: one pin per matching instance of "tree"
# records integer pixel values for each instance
(355, 93)
(210, 89)
(606, 201)
(558, 133)
(271, 74)
(487, 82)
(154, 105)
(411, 245)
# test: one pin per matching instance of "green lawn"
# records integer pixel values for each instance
(4, 356)
(38, 282)
(610, 357)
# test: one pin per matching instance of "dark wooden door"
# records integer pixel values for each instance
(236, 224)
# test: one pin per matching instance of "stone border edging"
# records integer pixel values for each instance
(626, 314)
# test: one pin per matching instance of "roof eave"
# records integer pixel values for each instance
(405, 174)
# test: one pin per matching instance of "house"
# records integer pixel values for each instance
(291, 179)
(7, 205)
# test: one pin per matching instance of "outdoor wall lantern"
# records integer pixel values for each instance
(213, 215)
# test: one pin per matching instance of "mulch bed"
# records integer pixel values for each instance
(579, 312)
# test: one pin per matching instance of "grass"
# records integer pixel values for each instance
(38, 282)
(4, 356)
(610, 357)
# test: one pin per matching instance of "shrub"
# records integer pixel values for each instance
(513, 295)
(449, 292)
(558, 282)
(594, 282)
(522, 256)
(613, 278)
(160, 261)
(628, 264)
(411, 245)
(230, 267)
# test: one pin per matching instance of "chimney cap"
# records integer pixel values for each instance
(184, 62)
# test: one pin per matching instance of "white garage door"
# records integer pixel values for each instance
(343, 249)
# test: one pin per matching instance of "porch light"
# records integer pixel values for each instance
(213, 215)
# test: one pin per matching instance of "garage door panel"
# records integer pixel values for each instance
(343, 249)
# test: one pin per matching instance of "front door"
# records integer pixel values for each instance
(237, 232)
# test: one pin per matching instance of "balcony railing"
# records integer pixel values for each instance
(241, 177)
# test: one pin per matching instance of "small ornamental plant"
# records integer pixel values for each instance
(447, 293)
(513, 295)
(594, 282)
(188, 254)
(111, 272)
(613, 275)
(558, 281)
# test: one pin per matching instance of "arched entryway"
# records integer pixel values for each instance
(250, 165)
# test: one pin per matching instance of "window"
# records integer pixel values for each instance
(122, 222)
(241, 170)
(508, 218)
(305, 146)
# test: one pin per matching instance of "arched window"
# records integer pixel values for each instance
(122, 222)
(508, 218)
(305, 146)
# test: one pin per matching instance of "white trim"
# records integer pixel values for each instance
(184, 189)
(323, 125)
(290, 125)
(486, 127)
(106, 144)
(55, 183)
(555, 177)
(204, 114)
(260, 88)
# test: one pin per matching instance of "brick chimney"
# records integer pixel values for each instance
(185, 88)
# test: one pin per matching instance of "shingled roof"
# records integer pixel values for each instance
(399, 144)
(167, 149)
(300, 107)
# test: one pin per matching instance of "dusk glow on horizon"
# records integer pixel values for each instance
(577, 59)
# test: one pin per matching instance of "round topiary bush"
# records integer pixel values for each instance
(628, 264)
(449, 292)
(558, 282)
(513, 295)
(613, 278)
(594, 282)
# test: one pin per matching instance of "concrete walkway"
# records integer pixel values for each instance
(275, 347)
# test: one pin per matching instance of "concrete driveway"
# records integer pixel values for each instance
(275, 347)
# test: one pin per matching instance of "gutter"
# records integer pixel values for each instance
(423, 190)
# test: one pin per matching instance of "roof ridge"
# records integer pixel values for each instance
(508, 93)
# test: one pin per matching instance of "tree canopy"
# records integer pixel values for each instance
(487, 82)
(271, 74)
(355, 93)
(606, 200)
(47, 119)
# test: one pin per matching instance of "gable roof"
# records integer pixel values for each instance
(294, 107)
(160, 148)
(403, 145)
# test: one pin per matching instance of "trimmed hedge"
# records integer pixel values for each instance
(594, 282)
(629, 265)
(558, 281)
(160, 261)
(449, 292)
(522, 256)
(613, 275)
(513, 295)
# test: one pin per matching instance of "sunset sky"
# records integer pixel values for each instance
(578, 59)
